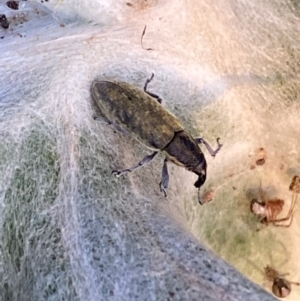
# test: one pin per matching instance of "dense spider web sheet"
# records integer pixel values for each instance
(71, 231)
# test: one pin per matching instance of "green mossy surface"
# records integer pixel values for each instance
(27, 225)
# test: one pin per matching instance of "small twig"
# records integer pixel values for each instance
(142, 39)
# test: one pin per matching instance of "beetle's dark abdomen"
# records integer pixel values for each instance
(136, 112)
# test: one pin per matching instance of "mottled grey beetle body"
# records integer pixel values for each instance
(137, 113)
(140, 114)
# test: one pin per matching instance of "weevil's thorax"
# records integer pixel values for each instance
(184, 151)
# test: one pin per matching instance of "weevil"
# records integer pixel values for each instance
(139, 113)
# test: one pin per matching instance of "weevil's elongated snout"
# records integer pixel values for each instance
(201, 180)
(201, 172)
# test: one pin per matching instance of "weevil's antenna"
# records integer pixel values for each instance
(199, 197)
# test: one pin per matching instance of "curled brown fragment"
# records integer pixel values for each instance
(295, 184)
(261, 157)
(207, 197)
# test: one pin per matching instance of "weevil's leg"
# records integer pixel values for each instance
(154, 96)
(150, 93)
(109, 123)
(209, 148)
(295, 283)
(140, 164)
(148, 81)
(164, 178)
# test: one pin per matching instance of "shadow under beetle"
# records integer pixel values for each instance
(140, 114)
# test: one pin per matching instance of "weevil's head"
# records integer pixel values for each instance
(201, 172)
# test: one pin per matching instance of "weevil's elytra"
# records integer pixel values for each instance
(137, 113)
(130, 110)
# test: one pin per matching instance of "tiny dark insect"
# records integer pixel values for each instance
(13, 4)
(260, 162)
(261, 157)
(281, 287)
(3, 21)
(139, 113)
